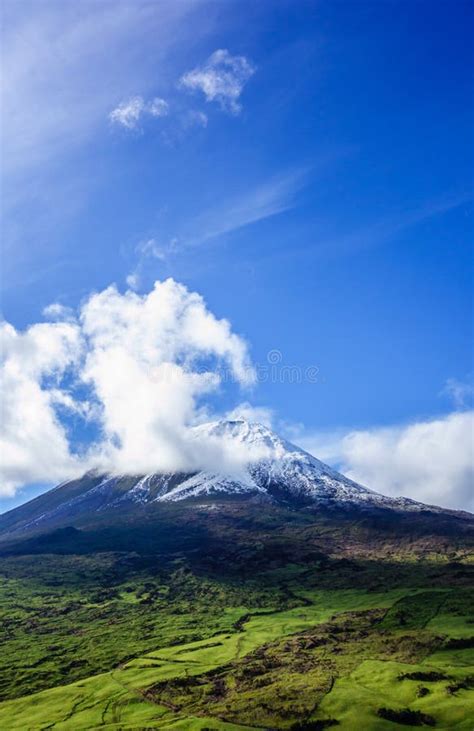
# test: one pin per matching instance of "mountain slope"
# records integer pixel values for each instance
(272, 470)
(280, 595)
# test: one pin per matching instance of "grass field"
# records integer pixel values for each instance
(122, 697)
(128, 640)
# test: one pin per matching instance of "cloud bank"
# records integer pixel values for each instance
(131, 368)
(33, 443)
(431, 461)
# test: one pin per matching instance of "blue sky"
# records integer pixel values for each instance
(325, 210)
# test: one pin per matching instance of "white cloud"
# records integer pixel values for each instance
(148, 249)
(33, 442)
(259, 414)
(158, 107)
(56, 311)
(431, 461)
(133, 280)
(221, 79)
(145, 362)
(128, 113)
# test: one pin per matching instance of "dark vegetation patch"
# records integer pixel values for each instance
(466, 683)
(459, 643)
(422, 692)
(406, 717)
(414, 611)
(429, 676)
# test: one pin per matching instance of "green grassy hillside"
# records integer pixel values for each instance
(230, 619)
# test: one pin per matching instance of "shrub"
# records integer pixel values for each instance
(426, 676)
(406, 716)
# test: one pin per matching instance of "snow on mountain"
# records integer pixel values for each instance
(277, 469)
(274, 470)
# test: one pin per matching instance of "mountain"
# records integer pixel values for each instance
(276, 471)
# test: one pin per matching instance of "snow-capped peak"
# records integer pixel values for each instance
(267, 467)
(265, 463)
(255, 437)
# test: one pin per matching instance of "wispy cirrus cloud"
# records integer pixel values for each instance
(145, 250)
(52, 102)
(221, 79)
(384, 229)
(65, 66)
(264, 200)
(378, 232)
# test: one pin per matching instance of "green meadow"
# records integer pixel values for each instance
(302, 639)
